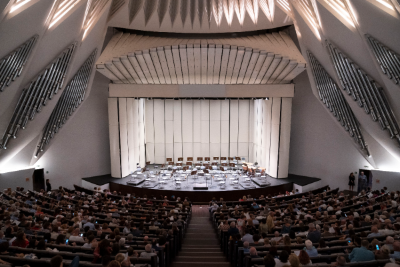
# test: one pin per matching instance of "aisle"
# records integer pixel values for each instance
(200, 246)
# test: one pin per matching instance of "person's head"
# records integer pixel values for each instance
(286, 241)
(120, 257)
(365, 243)
(374, 229)
(304, 258)
(308, 244)
(147, 248)
(294, 260)
(269, 260)
(283, 256)
(56, 261)
(60, 240)
(276, 234)
(340, 261)
(385, 250)
(246, 244)
(374, 242)
(253, 251)
(311, 227)
(389, 240)
(362, 173)
(299, 240)
(233, 224)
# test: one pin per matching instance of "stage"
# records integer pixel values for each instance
(199, 189)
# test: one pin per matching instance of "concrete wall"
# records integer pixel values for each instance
(18, 178)
(81, 147)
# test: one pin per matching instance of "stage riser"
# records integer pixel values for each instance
(203, 196)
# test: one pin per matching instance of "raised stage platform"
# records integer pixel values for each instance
(199, 189)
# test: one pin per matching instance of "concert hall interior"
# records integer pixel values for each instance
(198, 100)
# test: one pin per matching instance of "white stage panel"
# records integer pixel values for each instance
(187, 121)
(187, 150)
(197, 151)
(244, 118)
(205, 150)
(234, 121)
(275, 125)
(233, 149)
(224, 132)
(225, 110)
(243, 150)
(196, 122)
(114, 151)
(205, 110)
(169, 151)
(177, 121)
(114, 137)
(142, 158)
(169, 132)
(224, 150)
(215, 132)
(215, 151)
(124, 163)
(169, 110)
(158, 111)
(205, 132)
(215, 110)
(284, 140)
(178, 152)
(159, 153)
(131, 133)
(149, 121)
(150, 152)
(267, 109)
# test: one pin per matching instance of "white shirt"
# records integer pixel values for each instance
(278, 263)
(73, 238)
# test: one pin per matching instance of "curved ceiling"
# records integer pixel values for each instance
(258, 59)
(199, 16)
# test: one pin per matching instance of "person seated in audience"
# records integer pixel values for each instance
(124, 262)
(266, 242)
(283, 259)
(253, 253)
(294, 261)
(269, 261)
(232, 230)
(21, 240)
(247, 237)
(246, 247)
(255, 221)
(224, 225)
(75, 237)
(326, 232)
(304, 258)
(374, 232)
(132, 253)
(2, 237)
(90, 224)
(115, 248)
(256, 239)
(102, 250)
(362, 253)
(148, 252)
(313, 234)
(389, 242)
(310, 249)
(396, 248)
(277, 238)
(91, 242)
(286, 227)
(383, 253)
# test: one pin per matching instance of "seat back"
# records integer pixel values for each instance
(199, 158)
(189, 163)
(207, 158)
(189, 158)
(215, 158)
(169, 159)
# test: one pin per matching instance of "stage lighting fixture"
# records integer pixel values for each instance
(267, 98)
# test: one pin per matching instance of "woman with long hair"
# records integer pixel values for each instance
(270, 224)
(20, 240)
(352, 179)
(304, 258)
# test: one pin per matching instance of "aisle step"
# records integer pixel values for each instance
(200, 259)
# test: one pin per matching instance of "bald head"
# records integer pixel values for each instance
(147, 248)
(246, 244)
(253, 251)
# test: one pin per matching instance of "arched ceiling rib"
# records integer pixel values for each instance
(259, 59)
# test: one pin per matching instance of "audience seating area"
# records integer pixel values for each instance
(96, 226)
(254, 232)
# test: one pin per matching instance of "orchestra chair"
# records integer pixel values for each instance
(223, 160)
(189, 159)
(189, 163)
(171, 163)
(180, 159)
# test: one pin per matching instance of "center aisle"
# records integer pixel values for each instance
(200, 246)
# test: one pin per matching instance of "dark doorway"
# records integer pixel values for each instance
(366, 182)
(38, 179)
